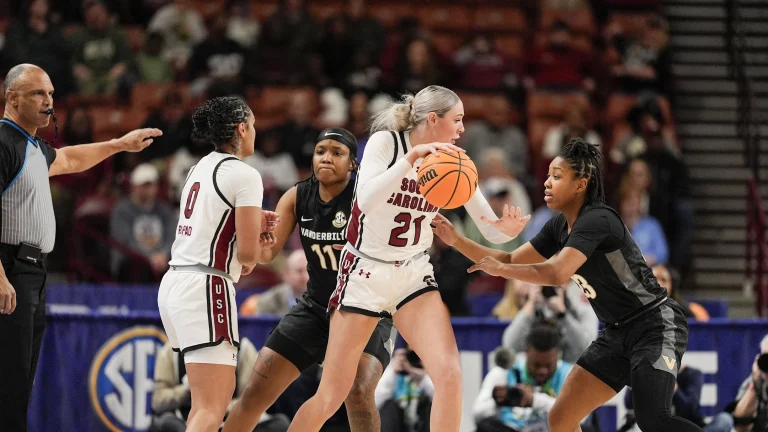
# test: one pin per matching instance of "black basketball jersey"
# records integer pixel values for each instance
(618, 282)
(322, 225)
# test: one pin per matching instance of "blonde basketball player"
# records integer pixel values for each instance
(384, 268)
(221, 202)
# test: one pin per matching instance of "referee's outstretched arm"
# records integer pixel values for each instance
(75, 159)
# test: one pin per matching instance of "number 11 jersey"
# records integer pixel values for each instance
(322, 225)
(205, 233)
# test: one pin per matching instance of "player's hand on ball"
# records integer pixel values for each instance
(269, 220)
(267, 239)
(137, 140)
(423, 150)
(511, 222)
(443, 228)
(489, 264)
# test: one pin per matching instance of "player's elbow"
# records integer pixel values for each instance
(557, 274)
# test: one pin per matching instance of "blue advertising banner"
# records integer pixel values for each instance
(95, 371)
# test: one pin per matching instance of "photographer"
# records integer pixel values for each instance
(404, 394)
(750, 411)
(520, 398)
(563, 306)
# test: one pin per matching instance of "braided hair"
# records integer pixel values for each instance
(215, 121)
(586, 159)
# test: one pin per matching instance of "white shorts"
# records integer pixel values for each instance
(199, 312)
(379, 289)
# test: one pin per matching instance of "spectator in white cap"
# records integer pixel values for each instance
(146, 226)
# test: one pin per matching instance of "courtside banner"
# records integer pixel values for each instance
(96, 369)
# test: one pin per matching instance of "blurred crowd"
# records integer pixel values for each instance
(531, 76)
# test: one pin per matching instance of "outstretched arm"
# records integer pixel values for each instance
(78, 158)
(495, 230)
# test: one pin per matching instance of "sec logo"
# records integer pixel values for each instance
(120, 381)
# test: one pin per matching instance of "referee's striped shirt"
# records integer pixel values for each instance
(26, 205)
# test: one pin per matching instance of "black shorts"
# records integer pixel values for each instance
(659, 336)
(302, 335)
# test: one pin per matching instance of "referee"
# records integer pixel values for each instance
(27, 228)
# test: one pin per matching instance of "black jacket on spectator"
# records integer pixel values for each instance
(175, 136)
(298, 140)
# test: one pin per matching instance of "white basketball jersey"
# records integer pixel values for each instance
(396, 225)
(206, 230)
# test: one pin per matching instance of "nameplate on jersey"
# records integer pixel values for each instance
(323, 236)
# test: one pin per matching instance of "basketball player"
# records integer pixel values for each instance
(646, 332)
(384, 268)
(321, 206)
(217, 240)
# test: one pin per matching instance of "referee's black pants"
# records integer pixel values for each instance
(21, 334)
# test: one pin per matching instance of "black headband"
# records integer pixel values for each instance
(342, 136)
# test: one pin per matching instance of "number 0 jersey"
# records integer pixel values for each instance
(322, 225)
(206, 230)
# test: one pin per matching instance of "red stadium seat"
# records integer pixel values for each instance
(389, 14)
(447, 42)
(262, 10)
(504, 19)
(445, 17)
(579, 21)
(274, 100)
(322, 11)
(512, 47)
(553, 105)
(631, 23)
(618, 106)
(476, 104)
(149, 96)
(116, 121)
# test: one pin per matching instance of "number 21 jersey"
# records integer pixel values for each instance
(205, 233)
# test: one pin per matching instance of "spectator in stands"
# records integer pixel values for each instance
(150, 66)
(499, 191)
(519, 398)
(171, 398)
(417, 67)
(174, 120)
(564, 306)
(181, 162)
(181, 27)
(558, 65)
(408, 28)
(669, 279)
(357, 120)
(364, 73)
(515, 296)
(645, 63)
(365, 29)
(645, 229)
(647, 122)
(297, 135)
(242, 28)
(274, 163)
(636, 179)
(450, 269)
(279, 299)
(685, 400)
(145, 225)
(294, 17)
(100, 51)
(337, 47)
(404, 394)
(575, 124)
(217, 58)
(34, 38)
(482, 67)
(496, 131)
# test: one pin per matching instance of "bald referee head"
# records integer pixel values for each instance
(28, 94)
(28, 226)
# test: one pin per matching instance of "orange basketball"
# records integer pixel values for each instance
(447, 180)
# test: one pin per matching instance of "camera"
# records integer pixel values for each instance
(548, 291)
(513, 398)
(413, 359)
